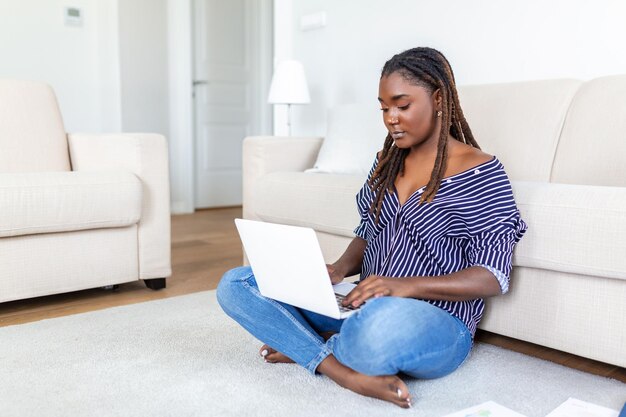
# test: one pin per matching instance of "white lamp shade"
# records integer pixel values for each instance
(289, 84)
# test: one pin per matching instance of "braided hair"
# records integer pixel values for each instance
(428, 68)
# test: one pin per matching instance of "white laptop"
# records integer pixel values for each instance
(288, 266)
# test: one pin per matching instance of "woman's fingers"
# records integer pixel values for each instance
(367, 289)
(352, 298)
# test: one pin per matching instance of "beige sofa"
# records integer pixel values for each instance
(563, 144)
(77, 211)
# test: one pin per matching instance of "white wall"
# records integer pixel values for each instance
(109, 74)
(144, 66)
(284, 27)
(485, 41)
(79, 62)
(181, 147)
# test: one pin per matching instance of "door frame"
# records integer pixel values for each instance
(181, 103)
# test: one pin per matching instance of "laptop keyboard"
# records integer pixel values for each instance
(342, 308)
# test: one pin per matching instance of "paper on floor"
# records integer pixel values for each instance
(488, 409)
(577, 408)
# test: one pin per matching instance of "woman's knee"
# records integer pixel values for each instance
(380, 325)
(231, 283)
(392, 334)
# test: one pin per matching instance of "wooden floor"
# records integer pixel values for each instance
(204, 246)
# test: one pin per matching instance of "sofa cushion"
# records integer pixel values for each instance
(519, 122)
(578, 229)
(32, 136)
(50, 202)
(325, 202)
(555, 213)
(355, 133)
(592, 148)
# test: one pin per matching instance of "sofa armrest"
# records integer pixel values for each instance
(146, 156)
(265, 154)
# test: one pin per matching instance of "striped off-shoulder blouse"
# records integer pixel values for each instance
(472, 221)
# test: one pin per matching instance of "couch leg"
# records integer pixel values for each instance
(155, 283)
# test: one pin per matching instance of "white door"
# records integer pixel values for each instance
(232, 65)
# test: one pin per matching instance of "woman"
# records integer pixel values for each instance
(437, 231)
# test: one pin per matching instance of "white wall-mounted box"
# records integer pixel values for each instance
(73, 16)
(313, 21)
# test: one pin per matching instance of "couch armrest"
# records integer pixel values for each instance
(146, 156)
(265, 154)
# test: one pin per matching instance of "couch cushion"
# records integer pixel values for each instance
(65, 201)
(355, 133)
(594, 234)
(519, 122)
(592, 147)
(32, 137)
(578, 229)
(325, 202)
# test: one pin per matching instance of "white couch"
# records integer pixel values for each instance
(77, 211)
(563, 145)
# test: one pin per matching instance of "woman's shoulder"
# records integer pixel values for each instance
(463, 157)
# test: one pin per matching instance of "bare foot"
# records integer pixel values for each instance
(386, 387)
(272, 356)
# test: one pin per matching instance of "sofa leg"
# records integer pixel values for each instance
(155, 283)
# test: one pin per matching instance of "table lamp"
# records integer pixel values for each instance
(289, 87)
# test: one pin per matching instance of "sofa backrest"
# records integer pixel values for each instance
(32, 136)
(563, 130)
(592, 147)
(519, 122)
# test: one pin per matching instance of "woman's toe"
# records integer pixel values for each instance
(265, 351)
(402, 394)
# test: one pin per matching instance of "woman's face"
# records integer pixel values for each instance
(409, 111)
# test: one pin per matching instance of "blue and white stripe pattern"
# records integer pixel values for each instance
(472, 221)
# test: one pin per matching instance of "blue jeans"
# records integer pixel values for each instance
(387, 336)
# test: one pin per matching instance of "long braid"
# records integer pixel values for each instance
(391, 162)
(428, 68)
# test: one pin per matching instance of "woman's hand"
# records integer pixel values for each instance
(349, 263)
(335, 273)
(376, 286)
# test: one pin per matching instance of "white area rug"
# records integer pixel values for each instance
(183, 356)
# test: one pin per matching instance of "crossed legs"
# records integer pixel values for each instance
(365, 352)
